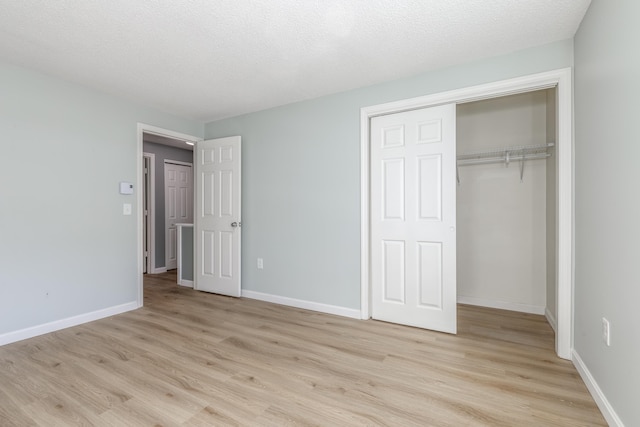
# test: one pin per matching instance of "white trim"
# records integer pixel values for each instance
(502, 305)
(152, 213)
(187, 283)
(307, 305)
(167, 133)
(564, 206)
(57, 325)
(601, 400)
(562, 80)
(142, 128)
(551, 318)
(159, 270)
(365, 298)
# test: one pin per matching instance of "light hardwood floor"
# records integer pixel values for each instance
(191, 358)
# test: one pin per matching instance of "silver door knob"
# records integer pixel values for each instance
(234, 224)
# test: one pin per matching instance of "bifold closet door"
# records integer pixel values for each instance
(413, 218)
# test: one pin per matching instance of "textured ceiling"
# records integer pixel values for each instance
(209, 59)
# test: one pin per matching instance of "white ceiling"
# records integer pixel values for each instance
(210, 59)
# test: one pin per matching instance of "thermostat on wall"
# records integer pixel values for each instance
(126, 188)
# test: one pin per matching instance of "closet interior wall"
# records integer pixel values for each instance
(506, 227)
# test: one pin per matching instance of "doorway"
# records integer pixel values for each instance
(561, 81)
(155, 249)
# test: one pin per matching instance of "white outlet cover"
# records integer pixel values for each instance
(126, 209)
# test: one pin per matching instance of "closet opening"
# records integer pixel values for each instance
(506, 203)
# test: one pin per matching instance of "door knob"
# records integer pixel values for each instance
(234, 224)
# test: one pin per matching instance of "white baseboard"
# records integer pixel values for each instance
(307, 305)
(57, 325)
(503, 305)
(187, 283)
(601, 400)
(551, 318)
(159, 270)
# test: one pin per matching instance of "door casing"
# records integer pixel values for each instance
(148, 190)
(560, 79)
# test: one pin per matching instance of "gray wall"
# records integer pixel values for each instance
(607, 200)
(163, 152)
(301, 177)
(65, 247)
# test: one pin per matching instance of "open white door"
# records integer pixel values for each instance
(413, 218)
(218, 216)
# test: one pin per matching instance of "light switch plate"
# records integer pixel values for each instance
(126, 209)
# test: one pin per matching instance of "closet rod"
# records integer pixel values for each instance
(501, 159)
(506, 154)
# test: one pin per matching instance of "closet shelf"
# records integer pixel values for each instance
(505, 155)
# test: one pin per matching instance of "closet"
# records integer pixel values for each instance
(506, 203)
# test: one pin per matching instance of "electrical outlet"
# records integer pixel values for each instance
(606, 332)
(260, 264)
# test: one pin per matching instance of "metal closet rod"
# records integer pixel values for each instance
(505, 155)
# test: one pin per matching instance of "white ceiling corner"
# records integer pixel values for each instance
(210, 59)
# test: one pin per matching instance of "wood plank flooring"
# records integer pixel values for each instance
(195, 359)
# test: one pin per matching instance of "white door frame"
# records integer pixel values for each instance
(151, 197)
(560, 79)
(142, 129)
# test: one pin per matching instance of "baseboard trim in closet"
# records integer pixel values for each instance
(503, 305)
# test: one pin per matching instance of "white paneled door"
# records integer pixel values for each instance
(178, 205)
(413, 218)
(218, 216)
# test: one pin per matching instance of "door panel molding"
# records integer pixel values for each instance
(218, 216)
(560, 79)
(413, 218)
